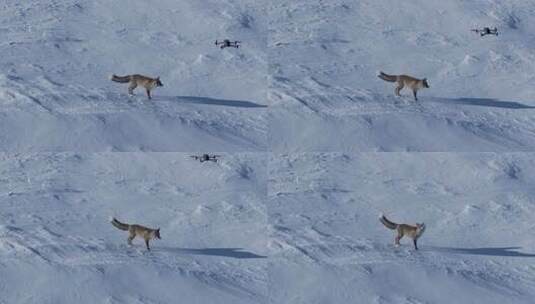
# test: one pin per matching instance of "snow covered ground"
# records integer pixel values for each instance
(325, 55)
(57, 57)
(57, 245)
(305, 131)
(327, 245)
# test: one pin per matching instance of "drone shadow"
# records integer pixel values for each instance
(215, 101)
(236, 253)
(486, 102)
(487, 251)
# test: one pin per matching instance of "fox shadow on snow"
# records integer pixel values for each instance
(236, 253)
(488, 251)
(212, 101)
(485, 102)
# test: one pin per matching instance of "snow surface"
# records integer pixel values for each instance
(303, 126)
(57, 57)
(57, 245)
(326, 96)
(328, 246)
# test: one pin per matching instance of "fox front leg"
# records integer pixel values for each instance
(398, 89)
(415, 97)
(148, 94)
(415, 244)
(147, 244)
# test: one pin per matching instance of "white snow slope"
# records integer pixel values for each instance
(57, 56)
(57, 245)
(325, 55)
(327, 245)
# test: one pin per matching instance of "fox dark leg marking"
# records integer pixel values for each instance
(147, 244)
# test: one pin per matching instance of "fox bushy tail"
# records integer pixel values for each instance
(121, 79)
(388, 224)
(386, 77)
(119, 225)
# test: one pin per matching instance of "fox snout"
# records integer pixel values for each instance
(157, 234)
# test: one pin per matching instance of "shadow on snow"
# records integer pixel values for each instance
(485, 102)
(488, 251)
(212, 101)
(236, 253)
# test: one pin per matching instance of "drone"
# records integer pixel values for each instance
(206, 157)
(486, 31)
(227, 43)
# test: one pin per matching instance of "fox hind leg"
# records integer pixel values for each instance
(130, 238)
(399, 88)
(398, 238)
(131, 88)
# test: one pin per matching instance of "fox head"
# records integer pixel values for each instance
(157, 234)
(426, 85)
(420, 229)
(158, 82)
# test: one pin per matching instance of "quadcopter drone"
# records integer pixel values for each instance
(227, 43)
(486, 31)
(206, 157)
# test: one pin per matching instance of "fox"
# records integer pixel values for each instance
(137, 230)
(414, 232)
(403, 80)
(138, 80)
